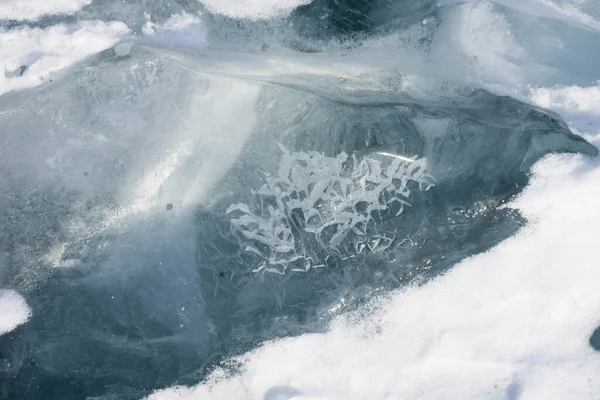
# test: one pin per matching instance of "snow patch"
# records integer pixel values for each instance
(179, 30)
(29, 56)
(253, 9)
(573, 99)
(14, 311)
(31, 10)
(579, 106)
(549, 9)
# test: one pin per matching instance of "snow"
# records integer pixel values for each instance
(14, 311)
(29, 56)
(253, 9)
(179, 30)
(31, 10)
(571, 99)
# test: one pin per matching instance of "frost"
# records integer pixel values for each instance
(316, 205)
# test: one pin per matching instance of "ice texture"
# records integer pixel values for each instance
(329, 198)
(501, 325)
(110, 271)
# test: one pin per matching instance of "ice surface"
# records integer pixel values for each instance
(501, 325)
(185, 114)
(162, 165)
(14, 311)
(89, 178)
(477, 164)
(549, 9)
(325, 18)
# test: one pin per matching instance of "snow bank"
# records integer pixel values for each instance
(29, 56)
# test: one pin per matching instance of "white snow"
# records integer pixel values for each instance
(571, 99)
(14, 311)
(179, 30)
(31, 10)
(579, 105)
(253, 9)
(45, 51)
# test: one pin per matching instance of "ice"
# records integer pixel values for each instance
(162, 169)
(360, 97)
(326, 19)
(30, 10)
(14, 310)
(550, 9)
(88, 178)
(500, 325)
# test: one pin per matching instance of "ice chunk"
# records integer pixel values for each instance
(502, 325)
